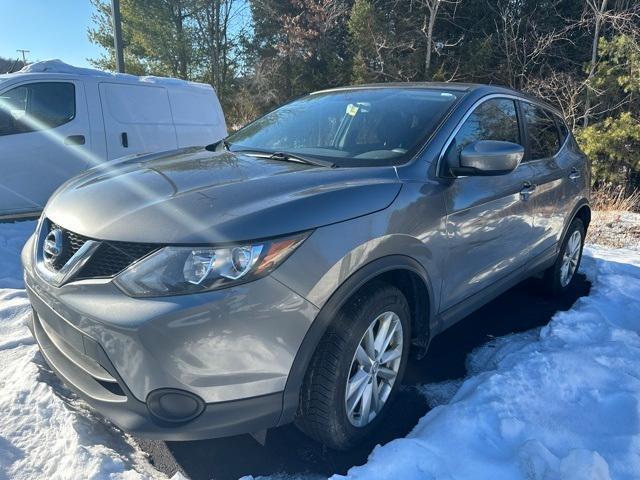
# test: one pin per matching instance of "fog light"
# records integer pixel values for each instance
(173, 406)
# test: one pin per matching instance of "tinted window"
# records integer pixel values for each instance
(494, 119)
(543, 134)
(350, 127)
(36, 106)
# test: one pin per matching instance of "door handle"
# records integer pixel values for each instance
(125, 139)
(74, 140)
(527, 189)
(575, 174)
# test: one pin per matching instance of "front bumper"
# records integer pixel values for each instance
(233, 349)
(117, 403)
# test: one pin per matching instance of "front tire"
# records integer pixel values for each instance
(560, 277)
(357, 368)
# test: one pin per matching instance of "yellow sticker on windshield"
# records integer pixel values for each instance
(352, 109)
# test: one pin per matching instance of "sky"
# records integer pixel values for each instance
(49, 29)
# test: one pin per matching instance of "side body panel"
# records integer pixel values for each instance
(489, 232)
(96, 122)
(576, 185)
(137, 119)
(548, 202)
(197, 116)
(413, 226)
(555, 192)
(33, 164)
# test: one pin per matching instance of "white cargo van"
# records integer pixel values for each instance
(57, 120)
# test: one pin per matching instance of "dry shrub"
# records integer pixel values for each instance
(609, 198)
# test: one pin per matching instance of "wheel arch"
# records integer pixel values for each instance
(581, 210)
(584, 214)
(399, 270)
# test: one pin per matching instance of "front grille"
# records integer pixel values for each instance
(113, 257)
(71, 243)
(109, 259)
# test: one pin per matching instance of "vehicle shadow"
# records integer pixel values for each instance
(289, 452)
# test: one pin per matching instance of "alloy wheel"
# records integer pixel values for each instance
(570, 258)
(374, 369)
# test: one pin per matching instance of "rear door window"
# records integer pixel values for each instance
(495, 119)
(37, 106)
(544, 140)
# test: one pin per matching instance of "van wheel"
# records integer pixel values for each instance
(357, 368)
(560, 277)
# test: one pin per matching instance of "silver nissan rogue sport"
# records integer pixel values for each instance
(285, 273)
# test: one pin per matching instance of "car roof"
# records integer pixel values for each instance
(479, 88)
(404, 85)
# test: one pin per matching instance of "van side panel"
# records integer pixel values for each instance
(197, 116)
(96, 122)
(137, 119)
(37, 160)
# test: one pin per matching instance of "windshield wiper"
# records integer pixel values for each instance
(288, 157)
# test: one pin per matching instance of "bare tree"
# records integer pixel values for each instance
(564, 90)
(216, 38)
(431, 9)
(524, 44)
(598, 9)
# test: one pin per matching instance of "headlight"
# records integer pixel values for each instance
(181, 270)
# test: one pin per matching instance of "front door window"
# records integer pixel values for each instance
(36, 106)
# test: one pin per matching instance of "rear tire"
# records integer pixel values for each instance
(560, 277)
(353, 376)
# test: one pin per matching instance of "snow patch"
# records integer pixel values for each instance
(45, 430)
(12, 238)
(560, 402)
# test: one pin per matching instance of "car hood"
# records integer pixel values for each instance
(193, 196)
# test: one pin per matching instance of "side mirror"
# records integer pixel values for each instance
(487, 157)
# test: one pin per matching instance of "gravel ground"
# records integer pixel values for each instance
(614, 229)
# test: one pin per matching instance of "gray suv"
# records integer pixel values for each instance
(285, 273)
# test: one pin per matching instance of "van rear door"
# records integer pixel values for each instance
(137, 119)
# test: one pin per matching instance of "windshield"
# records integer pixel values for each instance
(377, 126)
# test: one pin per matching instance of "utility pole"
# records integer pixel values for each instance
(117, 35)
(24, 57)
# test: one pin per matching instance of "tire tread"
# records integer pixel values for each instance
(316, 411)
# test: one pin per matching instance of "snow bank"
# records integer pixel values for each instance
(44, 434)
(561, 402)
(12, 238)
